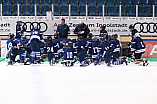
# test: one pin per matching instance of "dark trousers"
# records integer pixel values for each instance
(138, 56)
(82, 55)
(115, 56)
(35, 45)
(14, 53)
(108, 57)
(50, 56)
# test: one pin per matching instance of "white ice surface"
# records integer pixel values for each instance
(44, 84)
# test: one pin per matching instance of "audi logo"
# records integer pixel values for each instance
(29, 26)
(146, 27)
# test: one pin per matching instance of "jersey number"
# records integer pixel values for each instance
(142, 44)
(69, 55)
(95, 49)
(49, 49)
(10, 45)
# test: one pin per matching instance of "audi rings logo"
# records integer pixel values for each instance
(29, 26)
(146, 27)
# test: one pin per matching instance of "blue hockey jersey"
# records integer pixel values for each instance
(104, 47)
(88, 40)
(115, 46)
(12, 43)
(133, 33)
(80, 46)
(19, 32)
(23, 43)
(36, 34)
(93, 49)
(69, 53)
(59, 44)
(103, 34)
(50, 47)
(138, 46)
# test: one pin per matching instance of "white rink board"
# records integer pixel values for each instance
(44, 84)
(120, 26)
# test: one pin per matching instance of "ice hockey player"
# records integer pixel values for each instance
(103, 32)
(24, 43)
(70, 54)
(43, 56)
(115, 50)
(19, 30)
(93, 48)
(35, 42)
(104, 51)
(81, 48)
(49, 49)
(138, 48)
(89, 37)
(12, 49)
(58, 48)
(132, 31)
(89, 41)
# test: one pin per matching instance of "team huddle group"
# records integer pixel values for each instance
(86, 49)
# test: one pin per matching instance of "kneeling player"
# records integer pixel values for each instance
(138, 48)
(24, 43)
(104, 50)
(58, 48)
(81, 48)
(115, 50)
(93, 48)
(12, 49)
(69, 54)
(49, 50)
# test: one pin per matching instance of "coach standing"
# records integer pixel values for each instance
(63, 29)
(82, 30)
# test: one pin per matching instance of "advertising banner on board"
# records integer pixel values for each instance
(145, 25)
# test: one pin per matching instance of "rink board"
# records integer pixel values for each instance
(150, 54)
(151, 49)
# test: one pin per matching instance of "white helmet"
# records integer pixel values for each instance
(137, 35)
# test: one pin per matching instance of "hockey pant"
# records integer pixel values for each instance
(35, 47)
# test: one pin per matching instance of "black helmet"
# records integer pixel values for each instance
(56, 36)
(49, 38)
(103, 27)
(131, 26)
(11, 35)
(90, 34)
(80, 39)
(103, 39)
(70, 44)
(114, 36)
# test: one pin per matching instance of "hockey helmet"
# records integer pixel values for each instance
(49, 38)
(11, 35)
(95, 39)
(80, 39)
(70, 44)
(114, 36)
(23, 37)
(131, 26)
(56, 36)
